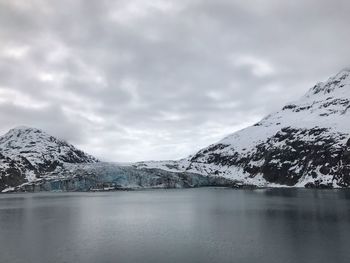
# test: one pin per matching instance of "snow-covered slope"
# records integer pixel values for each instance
(307, 143)
(28, 153)
(32, 160)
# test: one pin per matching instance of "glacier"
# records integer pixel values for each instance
(305, 144)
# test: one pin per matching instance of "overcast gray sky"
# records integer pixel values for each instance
(139, 80)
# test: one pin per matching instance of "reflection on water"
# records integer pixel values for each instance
(195, 225)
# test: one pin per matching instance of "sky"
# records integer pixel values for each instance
(154, 80)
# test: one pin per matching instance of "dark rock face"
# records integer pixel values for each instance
(31, 153)
(298, 156)
(348, 143)
(12, 171)
(306, 143)
(290, 155)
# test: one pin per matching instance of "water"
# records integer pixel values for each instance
(194, 225)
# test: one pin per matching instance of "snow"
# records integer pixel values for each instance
(8, 190)
(36, 145)
(29, 149)
(326, 105)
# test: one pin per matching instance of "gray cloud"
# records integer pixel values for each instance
(139, 80)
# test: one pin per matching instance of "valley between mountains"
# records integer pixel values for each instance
(305, 144)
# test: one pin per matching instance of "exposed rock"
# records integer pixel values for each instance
(305, 144)
(28, 153)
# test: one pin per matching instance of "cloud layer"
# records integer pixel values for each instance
(139, 80)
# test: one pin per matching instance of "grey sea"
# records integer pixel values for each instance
(189, 225)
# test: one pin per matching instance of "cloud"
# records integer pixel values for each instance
(259, 67)
(139, 80)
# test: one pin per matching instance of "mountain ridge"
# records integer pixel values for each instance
(305, 144)
(28, 153)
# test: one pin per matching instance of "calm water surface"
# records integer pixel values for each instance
(195, 225)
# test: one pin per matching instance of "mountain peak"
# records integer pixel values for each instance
(23, 127)
(28, 153)
(344, 74)
(304, 144)
(21, 136)
(346, 69)
(334, 83)
(38, 147)
(24, 130)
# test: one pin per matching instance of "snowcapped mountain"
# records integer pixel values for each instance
(32, 160)
(28, 153)
(305, 144)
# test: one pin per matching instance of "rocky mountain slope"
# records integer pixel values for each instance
(32, 160)
(27, 154)
(305, 144)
